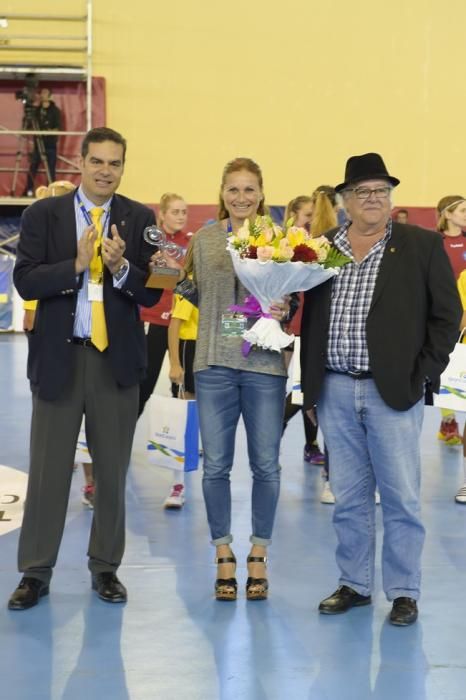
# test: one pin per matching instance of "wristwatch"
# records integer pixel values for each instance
(122, 270)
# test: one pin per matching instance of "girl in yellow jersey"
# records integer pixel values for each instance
(182, 334)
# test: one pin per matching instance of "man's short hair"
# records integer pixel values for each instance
(99, 135)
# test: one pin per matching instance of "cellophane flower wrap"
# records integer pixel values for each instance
(271, 262)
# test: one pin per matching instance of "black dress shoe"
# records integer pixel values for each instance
(342, 600)
(109, 588)
(28, 593)
(404, 612)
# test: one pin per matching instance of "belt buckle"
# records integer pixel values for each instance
(84, 342)
(356, 374)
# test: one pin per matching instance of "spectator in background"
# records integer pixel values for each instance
(461, 493)
(451, 212)
(401, 216)
(172, 218)
(182, 334)
(46, 117)
(317, 213)
(299, 210)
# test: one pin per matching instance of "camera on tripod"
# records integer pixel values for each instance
(27, 95)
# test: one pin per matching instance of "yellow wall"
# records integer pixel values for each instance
(299, 85)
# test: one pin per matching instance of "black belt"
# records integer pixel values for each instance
(356, 374)
(85, 342)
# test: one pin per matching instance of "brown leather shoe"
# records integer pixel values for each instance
(404, 612)
(28, 593)
(109, 588)
(342, 600)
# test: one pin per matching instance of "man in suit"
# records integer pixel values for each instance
(372, 337)
(84, 258)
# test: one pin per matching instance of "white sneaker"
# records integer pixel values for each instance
(176, 497)
(461, 495)
(327, 496)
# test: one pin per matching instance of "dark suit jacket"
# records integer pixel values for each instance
(45, 271)
(412, 324)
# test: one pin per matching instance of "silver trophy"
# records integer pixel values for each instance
(158, 238)
(162, 276)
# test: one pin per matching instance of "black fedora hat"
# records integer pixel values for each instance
(369, 166)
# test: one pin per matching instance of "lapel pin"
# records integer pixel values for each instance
(392, 250)
(123, 223)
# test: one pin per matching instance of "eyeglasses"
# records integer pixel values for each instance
(365, 192)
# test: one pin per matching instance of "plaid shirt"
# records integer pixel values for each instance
(352, 293)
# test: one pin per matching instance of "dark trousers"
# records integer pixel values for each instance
(110, 413)
(291, 409)
(157, 346)
(36, 161)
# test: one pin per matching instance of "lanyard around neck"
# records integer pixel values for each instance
(86, 215)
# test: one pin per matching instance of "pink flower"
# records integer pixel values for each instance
(265, 252)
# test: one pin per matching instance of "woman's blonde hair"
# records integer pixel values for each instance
(165, 201)
(323, 213)
(295, 205)
(235, 166)
(448, 203)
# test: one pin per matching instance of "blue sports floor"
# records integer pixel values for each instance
(173, 641)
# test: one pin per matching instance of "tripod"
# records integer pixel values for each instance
(29, 123)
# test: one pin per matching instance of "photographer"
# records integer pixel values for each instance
(46, 117)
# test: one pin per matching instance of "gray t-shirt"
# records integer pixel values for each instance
(219, 288)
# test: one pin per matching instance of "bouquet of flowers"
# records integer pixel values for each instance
(272, 262)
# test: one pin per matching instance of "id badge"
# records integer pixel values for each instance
(95, 292)
(233, 325)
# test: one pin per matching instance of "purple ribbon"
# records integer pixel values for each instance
(251, 309)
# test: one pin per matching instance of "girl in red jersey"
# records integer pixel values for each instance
(451, 212)
(172, 217)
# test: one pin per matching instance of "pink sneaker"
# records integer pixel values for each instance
(176, 497)
(88, 495)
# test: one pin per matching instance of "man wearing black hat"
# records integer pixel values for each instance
(372, 337)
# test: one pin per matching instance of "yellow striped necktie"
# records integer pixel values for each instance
(99, 335)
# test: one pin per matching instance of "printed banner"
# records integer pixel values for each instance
(6, 292)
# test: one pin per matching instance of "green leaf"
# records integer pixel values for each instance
(335, 259)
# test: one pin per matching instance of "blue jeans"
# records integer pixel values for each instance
(223, 394)
(368, 443)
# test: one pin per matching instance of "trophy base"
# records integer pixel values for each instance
(163, 278)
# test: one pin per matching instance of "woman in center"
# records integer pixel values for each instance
(229, 385)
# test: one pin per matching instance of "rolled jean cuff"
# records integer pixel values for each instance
(228, 539)
(259, 541)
